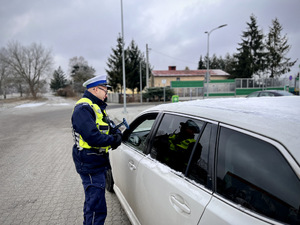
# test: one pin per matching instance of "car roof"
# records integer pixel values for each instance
(272, 91)
(276, 118)
(276, 91)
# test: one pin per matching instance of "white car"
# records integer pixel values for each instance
(212, 161)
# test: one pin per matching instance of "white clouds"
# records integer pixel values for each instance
(173, 27)
(20, 23)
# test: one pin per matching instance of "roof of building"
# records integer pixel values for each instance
(189, 73)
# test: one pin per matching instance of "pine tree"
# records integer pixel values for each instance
(114, 63)
(250, 57)
(134, 59)
(59, 80)
(277, 49)
(214, 62)
(229, 63)
(201, 64)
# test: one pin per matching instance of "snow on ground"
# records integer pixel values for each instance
(55, 102)
(30, 105)
(51, 100)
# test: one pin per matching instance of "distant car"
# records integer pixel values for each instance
(269, 93)
(237, 162)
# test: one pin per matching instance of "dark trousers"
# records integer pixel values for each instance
(95, 210)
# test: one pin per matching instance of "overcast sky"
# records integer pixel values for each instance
(173, 29)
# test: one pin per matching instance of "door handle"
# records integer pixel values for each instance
(131, 165)
(179, 205)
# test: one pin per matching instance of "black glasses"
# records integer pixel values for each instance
(103, 90)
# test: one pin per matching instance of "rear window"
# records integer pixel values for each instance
(254, 174)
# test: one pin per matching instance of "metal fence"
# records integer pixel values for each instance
(265, 82)
(239, 87)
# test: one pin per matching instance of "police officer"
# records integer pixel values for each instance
(92, 136)
(181, 144)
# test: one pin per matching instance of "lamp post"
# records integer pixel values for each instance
(123, 60)
(207, 66)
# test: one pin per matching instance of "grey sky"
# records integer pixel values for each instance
(173, 29)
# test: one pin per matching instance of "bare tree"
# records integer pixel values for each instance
(80, 71)
(31, 63)
(3, 72)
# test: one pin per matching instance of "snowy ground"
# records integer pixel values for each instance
(114, 110)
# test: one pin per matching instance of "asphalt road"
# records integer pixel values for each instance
(39, 184)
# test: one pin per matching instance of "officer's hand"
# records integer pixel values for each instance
(115, 131)
(118, 131)
(112, 124)
(118, 140)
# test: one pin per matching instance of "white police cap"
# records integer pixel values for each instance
(95, 81)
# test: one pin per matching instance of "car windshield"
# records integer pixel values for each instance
(253, 94)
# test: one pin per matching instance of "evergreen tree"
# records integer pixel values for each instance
(114, 71)
(229, 63)
(134, 59)
(214, 62)
(277, 48)
(201, 64)
(250, 56)
(59, 80)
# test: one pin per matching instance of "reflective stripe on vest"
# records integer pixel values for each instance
(183, 144)
(102, 126)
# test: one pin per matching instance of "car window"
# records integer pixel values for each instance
(174, 141)
(266, 94)
(139, 130)
(284, 93)
(253, 94)
(254, 174)
(198, 168)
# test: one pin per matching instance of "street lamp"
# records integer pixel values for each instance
(123, 59)
(207, 66)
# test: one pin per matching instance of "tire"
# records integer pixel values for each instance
(109, 181)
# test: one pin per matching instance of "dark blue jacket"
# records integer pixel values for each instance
(83, 122)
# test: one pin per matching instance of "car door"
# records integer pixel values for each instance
(165, 195)
(255, 182)
(125, 160)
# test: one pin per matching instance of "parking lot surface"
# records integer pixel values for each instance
(39, 184)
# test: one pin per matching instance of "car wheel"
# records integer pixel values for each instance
(109, 181)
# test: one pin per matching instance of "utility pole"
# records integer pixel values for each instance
(123, 60)
(141, 82)
(147, 66)
(207, 65)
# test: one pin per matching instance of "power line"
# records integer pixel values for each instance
(173, 57)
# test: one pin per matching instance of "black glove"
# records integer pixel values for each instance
(117, 142)
(112, 124)
(117, 131)
(113, 129)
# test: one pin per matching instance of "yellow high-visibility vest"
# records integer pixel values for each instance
(102, 126)
(184, 144)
